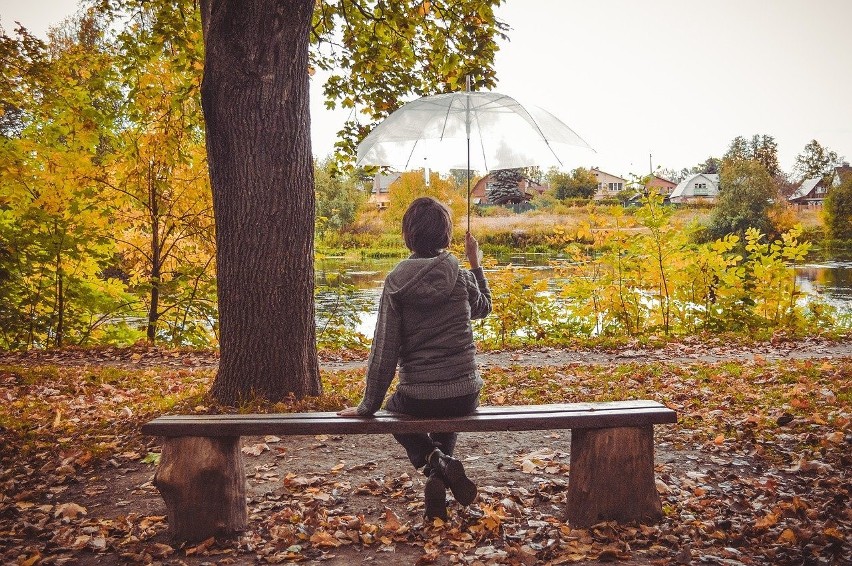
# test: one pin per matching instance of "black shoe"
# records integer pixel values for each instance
(453, 474)
(435, 493)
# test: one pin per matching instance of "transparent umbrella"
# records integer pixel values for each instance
(480, 131)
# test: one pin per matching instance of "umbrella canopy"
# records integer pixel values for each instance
(479, 131)
(469, 130)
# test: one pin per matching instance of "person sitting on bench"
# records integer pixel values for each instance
(424, 326)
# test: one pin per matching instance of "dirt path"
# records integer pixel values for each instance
(689, 350)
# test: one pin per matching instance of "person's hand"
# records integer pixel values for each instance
(348, 412)
(471, 250)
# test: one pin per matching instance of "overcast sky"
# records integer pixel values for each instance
(670, 82)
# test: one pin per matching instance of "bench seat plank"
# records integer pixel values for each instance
(485, 419)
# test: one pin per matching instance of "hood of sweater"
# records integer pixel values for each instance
(423, 281)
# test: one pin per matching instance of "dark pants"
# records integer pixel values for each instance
(418, 446)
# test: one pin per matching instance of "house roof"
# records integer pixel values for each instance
(807, 186)
(383, 181)
(680, 189)
(844, 172)
(658, 178)
(593, 169)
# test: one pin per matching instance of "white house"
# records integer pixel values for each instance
(841, 174)
(700, 186)
(609, 185)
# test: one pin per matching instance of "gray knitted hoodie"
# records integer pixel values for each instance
(424, 326)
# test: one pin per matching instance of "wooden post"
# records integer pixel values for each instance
(612, 476)
(202, 481)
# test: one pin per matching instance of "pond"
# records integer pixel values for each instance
(827, 276)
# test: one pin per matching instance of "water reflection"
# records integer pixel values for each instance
(830, 280)
(358, 282)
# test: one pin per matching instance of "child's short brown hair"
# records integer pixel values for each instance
(426, 227)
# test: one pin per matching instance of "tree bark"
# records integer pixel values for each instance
(255, 100)
(202, 481)
(612, 476)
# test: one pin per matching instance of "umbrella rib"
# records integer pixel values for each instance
(481, 137)
(540, 133)
(446, 119)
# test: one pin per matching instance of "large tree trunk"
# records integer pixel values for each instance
(255, 101)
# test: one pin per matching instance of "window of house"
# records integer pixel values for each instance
(700, 188)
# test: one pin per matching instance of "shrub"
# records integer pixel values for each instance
(837, 211)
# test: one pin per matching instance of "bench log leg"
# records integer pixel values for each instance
(612, 476)
(202, 481)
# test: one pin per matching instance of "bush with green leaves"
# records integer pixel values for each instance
(746, 195)
(837, 211)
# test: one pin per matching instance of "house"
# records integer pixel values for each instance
(660, 185)
(481, 192)
(380, 193)
(697, 187)
(609, 185)
(841, 174)
(810, 193)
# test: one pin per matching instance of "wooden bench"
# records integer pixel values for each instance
(202, 480)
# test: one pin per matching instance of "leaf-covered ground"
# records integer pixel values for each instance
(757, 471)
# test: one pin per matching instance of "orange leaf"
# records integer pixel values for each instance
(323, 538)
(766, 521)
(788, 536)
(392, 523)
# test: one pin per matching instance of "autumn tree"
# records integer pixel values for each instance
(158, 173)
(579, 183)
(815, 160)
(380, 53)
(412, 185)
(61, 103)
(760, 148)
(255, 101)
